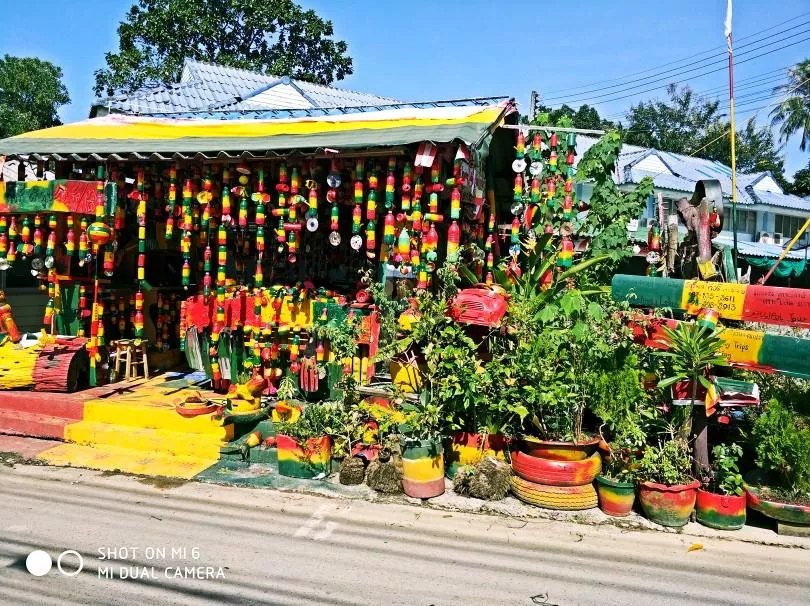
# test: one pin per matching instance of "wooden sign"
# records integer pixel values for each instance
(748, 302)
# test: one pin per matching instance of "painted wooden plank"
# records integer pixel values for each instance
(748, 302)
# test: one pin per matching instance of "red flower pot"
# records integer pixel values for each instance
(668, 505)
(555, 472)
(559, 451)
(720, 511)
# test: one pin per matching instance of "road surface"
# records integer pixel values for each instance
(146, 544)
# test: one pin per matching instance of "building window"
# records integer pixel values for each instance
(746, 221)
(788, 225)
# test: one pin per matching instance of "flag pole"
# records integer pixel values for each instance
(733, 135)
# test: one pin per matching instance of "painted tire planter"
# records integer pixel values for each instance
(782, 512)
(720, 511)
(422, 468)
(553, 472)
(313, 459)
(559, 451)
(616, 498)
(469, 448)
(569, 498)
(668, 505)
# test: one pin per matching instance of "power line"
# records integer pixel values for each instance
(712, 50)
(660, 75)
(669, 80)
(641, 92)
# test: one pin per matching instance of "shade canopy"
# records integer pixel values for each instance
(138, 136)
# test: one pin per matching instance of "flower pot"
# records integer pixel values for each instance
(616, 498)
(559, 451)
(720, 511)
(782, 512)
(422, 468)
(469, 448)
(567, 498)
(309, 460)
(553, 472)
(668, 505)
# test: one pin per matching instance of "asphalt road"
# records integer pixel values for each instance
(145, 544)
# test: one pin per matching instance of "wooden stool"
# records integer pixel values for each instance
(128, 351)
(138, 348)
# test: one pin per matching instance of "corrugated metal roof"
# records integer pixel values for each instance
(684, 171)
(205, 87)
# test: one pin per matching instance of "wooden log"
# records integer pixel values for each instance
(61, 366)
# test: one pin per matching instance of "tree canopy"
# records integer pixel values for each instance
(691, 125)
(801, 182)
(584, 117)
(793, 113)
(31, 90)
(269, 36)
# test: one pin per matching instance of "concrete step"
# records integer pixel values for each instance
(149, 415)
(144, 440)
(66, 406)
(112, 458)
(31, 424)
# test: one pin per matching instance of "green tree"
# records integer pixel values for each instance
(801, 182)
(274, 37)
(31, 90)
(585, 117)
(678, 126)
(793, 113)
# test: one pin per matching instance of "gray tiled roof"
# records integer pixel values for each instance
(205, 87)
(686, 170)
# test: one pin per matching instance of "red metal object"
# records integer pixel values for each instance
(478, 306)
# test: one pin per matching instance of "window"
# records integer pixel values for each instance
(746, 221)
(787, 225)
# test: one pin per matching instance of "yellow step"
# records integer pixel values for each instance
(143, 440)
(153, 416)
(111, 458)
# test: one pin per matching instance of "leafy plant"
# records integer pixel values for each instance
(667, 463)
(781, 441)
(692, 349)
(314, 422)
(288, 388)
(423, 418)
(725, 472)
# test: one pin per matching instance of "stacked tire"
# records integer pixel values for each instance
(555, 479)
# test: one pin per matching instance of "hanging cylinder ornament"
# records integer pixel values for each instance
(565, 257)
(389, 227)
(455, 204)
(390, 183)
(453, 241)
(312, 202)
(139, 315)
(226, 196)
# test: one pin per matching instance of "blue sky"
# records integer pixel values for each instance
(421, 50)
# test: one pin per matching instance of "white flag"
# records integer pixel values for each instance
(728, 20)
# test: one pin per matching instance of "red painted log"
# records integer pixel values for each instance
(61, 366)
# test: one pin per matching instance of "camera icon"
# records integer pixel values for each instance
(39, 563)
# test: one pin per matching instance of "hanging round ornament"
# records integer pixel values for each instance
(356, 242)
(516, 208)
(312, 224)
(519, 165)
(334, 238)
(536, 168)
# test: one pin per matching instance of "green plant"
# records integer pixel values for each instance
(288, 388)
(725, 473)
(314, 422)
(781, 441)
(423, 418)
(692, 349)
(667, 463)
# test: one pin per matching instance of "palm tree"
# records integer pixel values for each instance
(794, 111)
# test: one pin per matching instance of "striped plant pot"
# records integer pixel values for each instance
(469, 448)
(422, 468)
(668, 505)
(559, 451)
(782, 512)
(720, 511)
(554, 472)
(616, 498)
(310, 460)
(568, 498)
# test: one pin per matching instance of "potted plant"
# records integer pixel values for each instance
(304, 446)
(781, 488)
(692, 349)
(667, 492)
(421, 446)
(722, 504)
